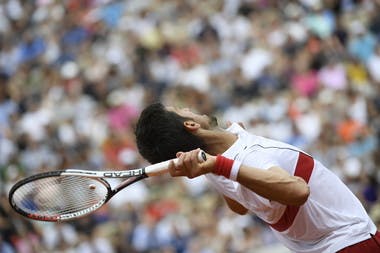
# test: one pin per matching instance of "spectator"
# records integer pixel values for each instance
(75, 74)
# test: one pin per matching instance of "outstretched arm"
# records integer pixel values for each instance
(274, 184)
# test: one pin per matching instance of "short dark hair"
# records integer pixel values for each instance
(160, 134)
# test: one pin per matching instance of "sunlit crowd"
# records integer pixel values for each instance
(75, 75)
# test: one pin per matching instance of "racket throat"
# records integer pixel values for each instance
(123, 174)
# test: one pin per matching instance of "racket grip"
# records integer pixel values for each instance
(202, 156)
(162, 167)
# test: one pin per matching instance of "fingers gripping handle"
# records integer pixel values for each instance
(162, 167)
(202, 156)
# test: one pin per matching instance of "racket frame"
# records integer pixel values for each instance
(132, 176)
(96, 175)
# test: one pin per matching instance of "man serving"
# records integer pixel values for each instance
(309, 209)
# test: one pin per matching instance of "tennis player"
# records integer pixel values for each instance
(309, 209)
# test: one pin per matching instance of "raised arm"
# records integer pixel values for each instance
(274, 183)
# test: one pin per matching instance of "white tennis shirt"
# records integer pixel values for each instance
(331, 219)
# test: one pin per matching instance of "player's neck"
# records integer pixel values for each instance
(217, 142)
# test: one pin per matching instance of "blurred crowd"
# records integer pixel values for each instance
(74, 76)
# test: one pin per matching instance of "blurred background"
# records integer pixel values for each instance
(74, 76)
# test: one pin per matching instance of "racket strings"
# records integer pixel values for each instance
(52, 196)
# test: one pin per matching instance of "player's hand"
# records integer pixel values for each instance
(189, 166)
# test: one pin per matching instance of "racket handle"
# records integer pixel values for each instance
(162, 167)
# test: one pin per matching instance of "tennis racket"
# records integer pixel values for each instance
(69, 194)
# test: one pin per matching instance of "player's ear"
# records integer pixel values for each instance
(191, 125)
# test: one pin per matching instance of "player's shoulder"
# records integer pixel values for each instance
(253, 141)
